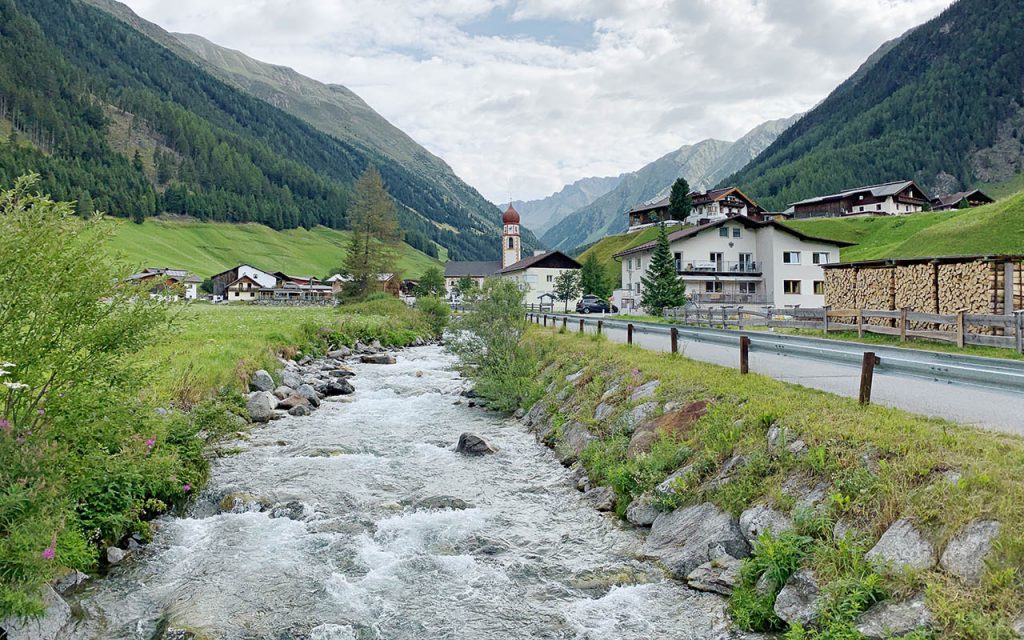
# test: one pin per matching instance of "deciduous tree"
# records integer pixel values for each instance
(567, 286)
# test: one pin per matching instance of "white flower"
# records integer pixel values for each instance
(14, 386)
(3, 372)
(8, 364)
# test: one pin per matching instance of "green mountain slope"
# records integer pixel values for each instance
(71, 74)
(943, 105)
(206, 248)
(993, 229)
(608, 246)
(702, 164)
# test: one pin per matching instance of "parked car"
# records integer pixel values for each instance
(593, 304)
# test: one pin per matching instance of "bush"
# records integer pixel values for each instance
(436, 311)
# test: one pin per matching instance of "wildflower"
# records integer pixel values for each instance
(187, 487)
(49, 552)
(7, 364)
(5, 425)
(14, 386)
(150, 443)
(174, 477)
(40, 412)
(636, 373)
(4, 372)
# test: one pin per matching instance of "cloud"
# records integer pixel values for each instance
(528, 95)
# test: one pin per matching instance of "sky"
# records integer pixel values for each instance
(521, 97)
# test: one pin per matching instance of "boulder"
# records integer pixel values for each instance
(797, 448)
(283, 392)
(667, 486)
(261, 406)
(70, 581)
(535, 414)
(379, 358)
(720, 576)
(439, 503)
(684, 539)
(642, 413)
(574, 377)
(291, 379)
(340, 387)
(903, 546)
(348, 373)
(965, 554)
(728, 471)
(376, 346)
(261, 381)
(641, 512)
(1018, 626)
(805, 491)
(575, 438)
(340, 352)
(309, 393)
(473, 445)
(779, 438)
(680, 421)
(644, 391)
(891, 619)
(241, 502)
(641, 442)
(292, 401)
(293, 510)
(763, 519)
(601, 498)
(580, 478)
(115, 555)
(603, 412)
(844, 527)
(798, 601)
(299, 411)
(47, 627)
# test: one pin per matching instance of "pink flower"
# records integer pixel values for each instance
(49, 552)
(187, 487)
(5, 426)
(150, 443)
(41, 412)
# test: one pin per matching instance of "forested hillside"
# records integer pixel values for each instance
(944, 106)
(72, 76)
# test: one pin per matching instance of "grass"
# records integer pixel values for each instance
(206, 248)
(879, 464)
(609, 246)
(992, 229)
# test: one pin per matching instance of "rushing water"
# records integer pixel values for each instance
(357, 559)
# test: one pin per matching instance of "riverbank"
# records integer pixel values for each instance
(867, 511)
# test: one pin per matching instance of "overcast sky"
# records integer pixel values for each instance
(524, 96)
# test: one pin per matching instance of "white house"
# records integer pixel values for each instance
(738, 261)
(162, 280)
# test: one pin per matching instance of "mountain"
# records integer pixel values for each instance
(943, 105)
(106, 105)
(702, 164)
(540, 215)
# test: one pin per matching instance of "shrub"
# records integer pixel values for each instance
(436, 311)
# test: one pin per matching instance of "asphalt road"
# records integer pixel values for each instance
(962, 403)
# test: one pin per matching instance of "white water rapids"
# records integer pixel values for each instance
(356, 560)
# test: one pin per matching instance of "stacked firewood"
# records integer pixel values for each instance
(915, 290)
(876, 290)
(969, 286)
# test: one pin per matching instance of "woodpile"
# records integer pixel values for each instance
(876, 290)
(968, 285)
(915, 289)
(841, 288)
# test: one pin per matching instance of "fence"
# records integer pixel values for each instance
(961, 328)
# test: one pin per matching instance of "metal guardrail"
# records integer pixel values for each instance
(1007, 375)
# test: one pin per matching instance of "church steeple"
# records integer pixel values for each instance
(511, 244)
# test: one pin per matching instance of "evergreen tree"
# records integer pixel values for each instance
(138, 215)
(662, 287)
(85, 208)
(431, 283)
(164, 166)
(567, 286)
(680, 204)
(593, 280)
(137, 163)
(375, 233)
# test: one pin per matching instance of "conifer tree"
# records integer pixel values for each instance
(375, 233)
(680, 204)
(85, 208)
(662, 287)
(593, 280)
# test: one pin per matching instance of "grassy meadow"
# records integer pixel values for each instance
(607, 247)
(206, 248)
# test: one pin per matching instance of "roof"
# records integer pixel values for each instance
(897, 262)
(249, 278)
(715, 195)
(227, 271)
(876, 190)
(175, 274)
(511, 216)
(650, 205)
(472, 269)
(338, 277)
(749, 223)
(954, 199)
(544, 260)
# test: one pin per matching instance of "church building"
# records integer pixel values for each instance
(535, 274)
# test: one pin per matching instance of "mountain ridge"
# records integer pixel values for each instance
(539, 215)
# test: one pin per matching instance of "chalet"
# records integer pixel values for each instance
(537, 274)
(244, 289)
(161, 280)
(708, 206)
(475, 271)
(961, 200)
(737, 261)
(387, 282)
(889, 199)
(224, 279)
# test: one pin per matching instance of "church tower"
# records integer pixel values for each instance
(511, 244)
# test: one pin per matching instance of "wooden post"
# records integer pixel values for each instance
(686, 315)
(768, 320)
(724, 326)
(675, 340)
(1020, 331)
(903, 324)
(565, 323)
(961, 339)
(860, 323)
(825, 314)
(581, 326)
(545, 319)
(867, 376)
(600, 325)
(744, 355)
(629, 333)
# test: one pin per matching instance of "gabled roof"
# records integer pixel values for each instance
(249, 278)
(954, 199)
(471, 269)
(877, 191)
(179, 275)
(715, 195)
(550, 260)
(227, 271)
(690, 232)
(650, 205)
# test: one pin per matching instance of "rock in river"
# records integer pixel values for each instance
(684, 538)
(473, 445)
(261, 406)
(261, 381)
(48, 627)
(379, 358)
(339, 387)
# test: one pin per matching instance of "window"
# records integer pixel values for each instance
(737, 232)
(511, 244)
(819, 287)
(638, 288)
(679, 261)
(724, 232)
(551, 278)
(717, 258)
(820, 257)
(878, 207)
(746, 262)
(791, 287)
(713, 287)
(790, 257)
(748, 287)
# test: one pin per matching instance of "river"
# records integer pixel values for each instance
(357, 559)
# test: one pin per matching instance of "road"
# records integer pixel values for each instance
(965, 403)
